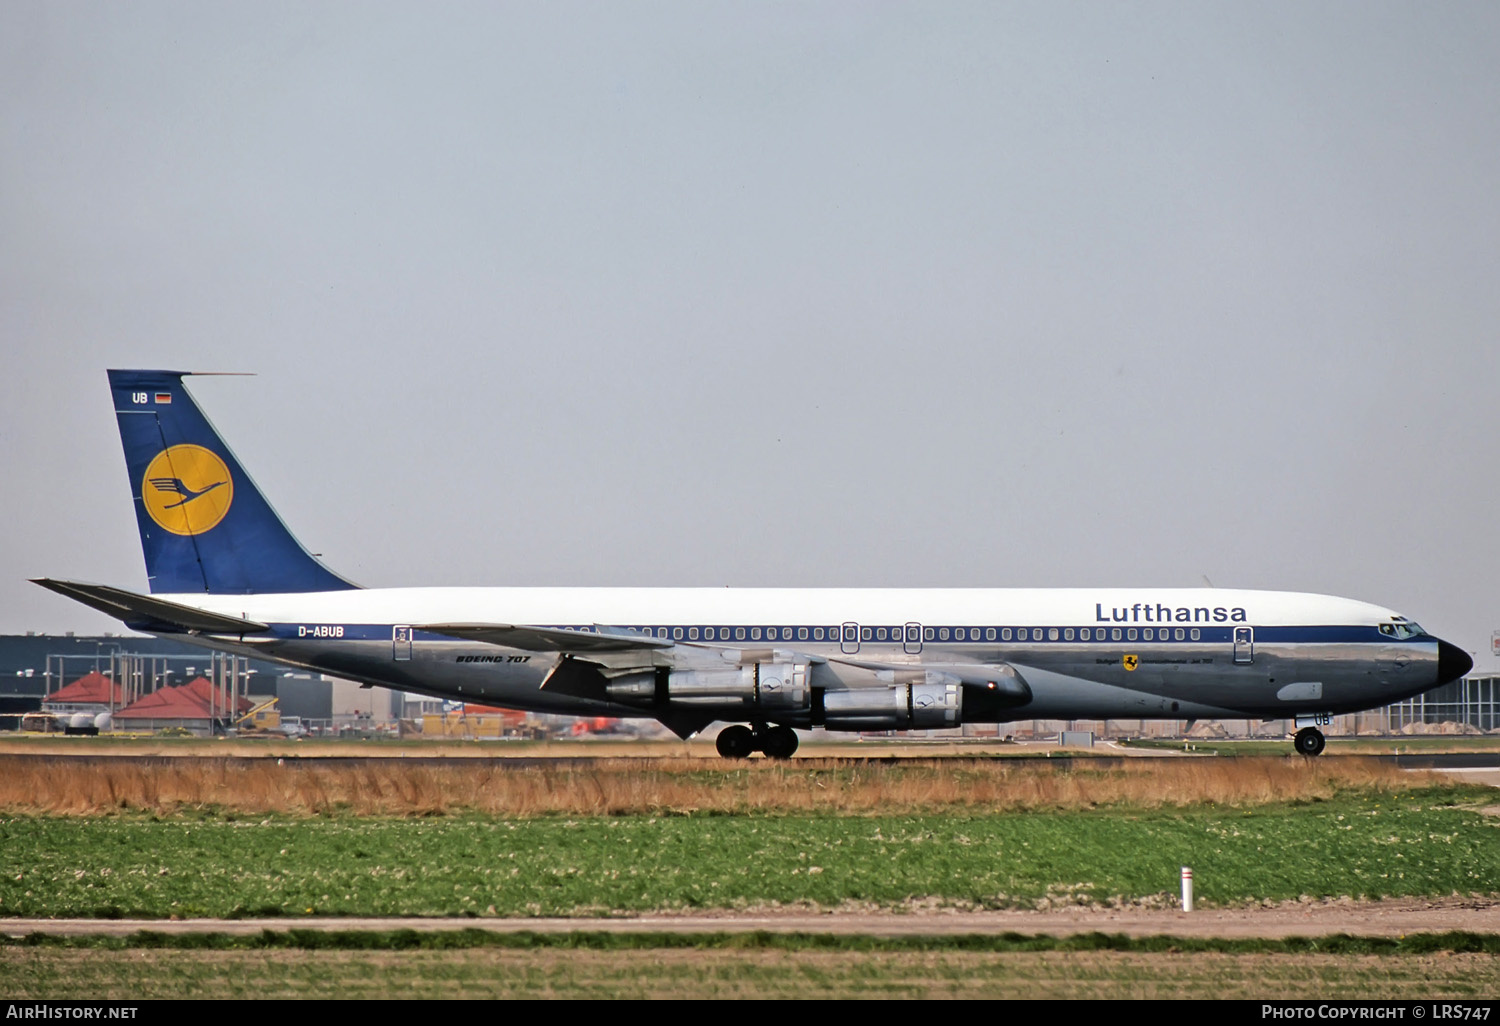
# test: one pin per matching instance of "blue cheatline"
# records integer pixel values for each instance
(205, 527)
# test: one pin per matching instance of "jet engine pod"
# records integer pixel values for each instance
(762, 686)
(934, 706)
(633, 688)
(912, 706)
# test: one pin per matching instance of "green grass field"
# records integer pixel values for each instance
(1429, 842)
(193, 839)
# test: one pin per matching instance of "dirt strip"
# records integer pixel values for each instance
(1370, 919)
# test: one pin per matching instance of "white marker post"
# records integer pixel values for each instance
(1187, 889)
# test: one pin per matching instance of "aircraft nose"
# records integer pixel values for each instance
(1453, 663)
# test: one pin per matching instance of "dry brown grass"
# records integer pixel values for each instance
(627, 786)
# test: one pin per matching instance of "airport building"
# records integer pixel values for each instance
(122, 677)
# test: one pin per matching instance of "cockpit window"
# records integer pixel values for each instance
(1406, 629)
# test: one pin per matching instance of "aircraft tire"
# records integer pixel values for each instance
(736, 742)
(779, 742)
(1309, 742)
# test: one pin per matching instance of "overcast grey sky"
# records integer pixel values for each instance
(695, 293)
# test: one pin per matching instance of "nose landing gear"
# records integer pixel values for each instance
(1309, 741)
(739, 741)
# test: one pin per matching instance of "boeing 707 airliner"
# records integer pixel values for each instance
(224, 572)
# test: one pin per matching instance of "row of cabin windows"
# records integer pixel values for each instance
(908, 633)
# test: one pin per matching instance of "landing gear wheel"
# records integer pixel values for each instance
(779, 742)
(1309, 741)
(736, 742)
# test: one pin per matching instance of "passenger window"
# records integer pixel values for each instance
(1178, 633)
(1067, 634)
(928, 633)
(989, 634)
(1196, 634)
(1052, 634)
(693, 633)
(801, 633)
(677, 633)
(1115, 634)
(958, 634)
(1130, 634)
(943, 634)
(1147, 634)
(866, 634)
(817, 634)
(1005, 634)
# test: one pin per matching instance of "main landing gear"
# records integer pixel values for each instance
(739, 741)
(1309, 741)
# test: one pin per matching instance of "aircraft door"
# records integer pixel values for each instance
(849, 638)
(1244, 645)
(912, 644)
(401, 642)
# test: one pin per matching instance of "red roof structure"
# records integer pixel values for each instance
(92, 688)
(190, 701)
(508, 715)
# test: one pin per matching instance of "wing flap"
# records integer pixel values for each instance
(146, 610)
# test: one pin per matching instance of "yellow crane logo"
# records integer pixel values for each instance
(187, 489)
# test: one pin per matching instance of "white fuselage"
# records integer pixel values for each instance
(1082, 653)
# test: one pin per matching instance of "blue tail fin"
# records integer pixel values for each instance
(204, 525)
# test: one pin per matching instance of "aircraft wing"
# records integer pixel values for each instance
(549, 639)
(147, 610)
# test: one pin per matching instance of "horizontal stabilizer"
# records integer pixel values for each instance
(547, 639)
(145, 609)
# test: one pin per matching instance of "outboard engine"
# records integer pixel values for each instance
(758, 686)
